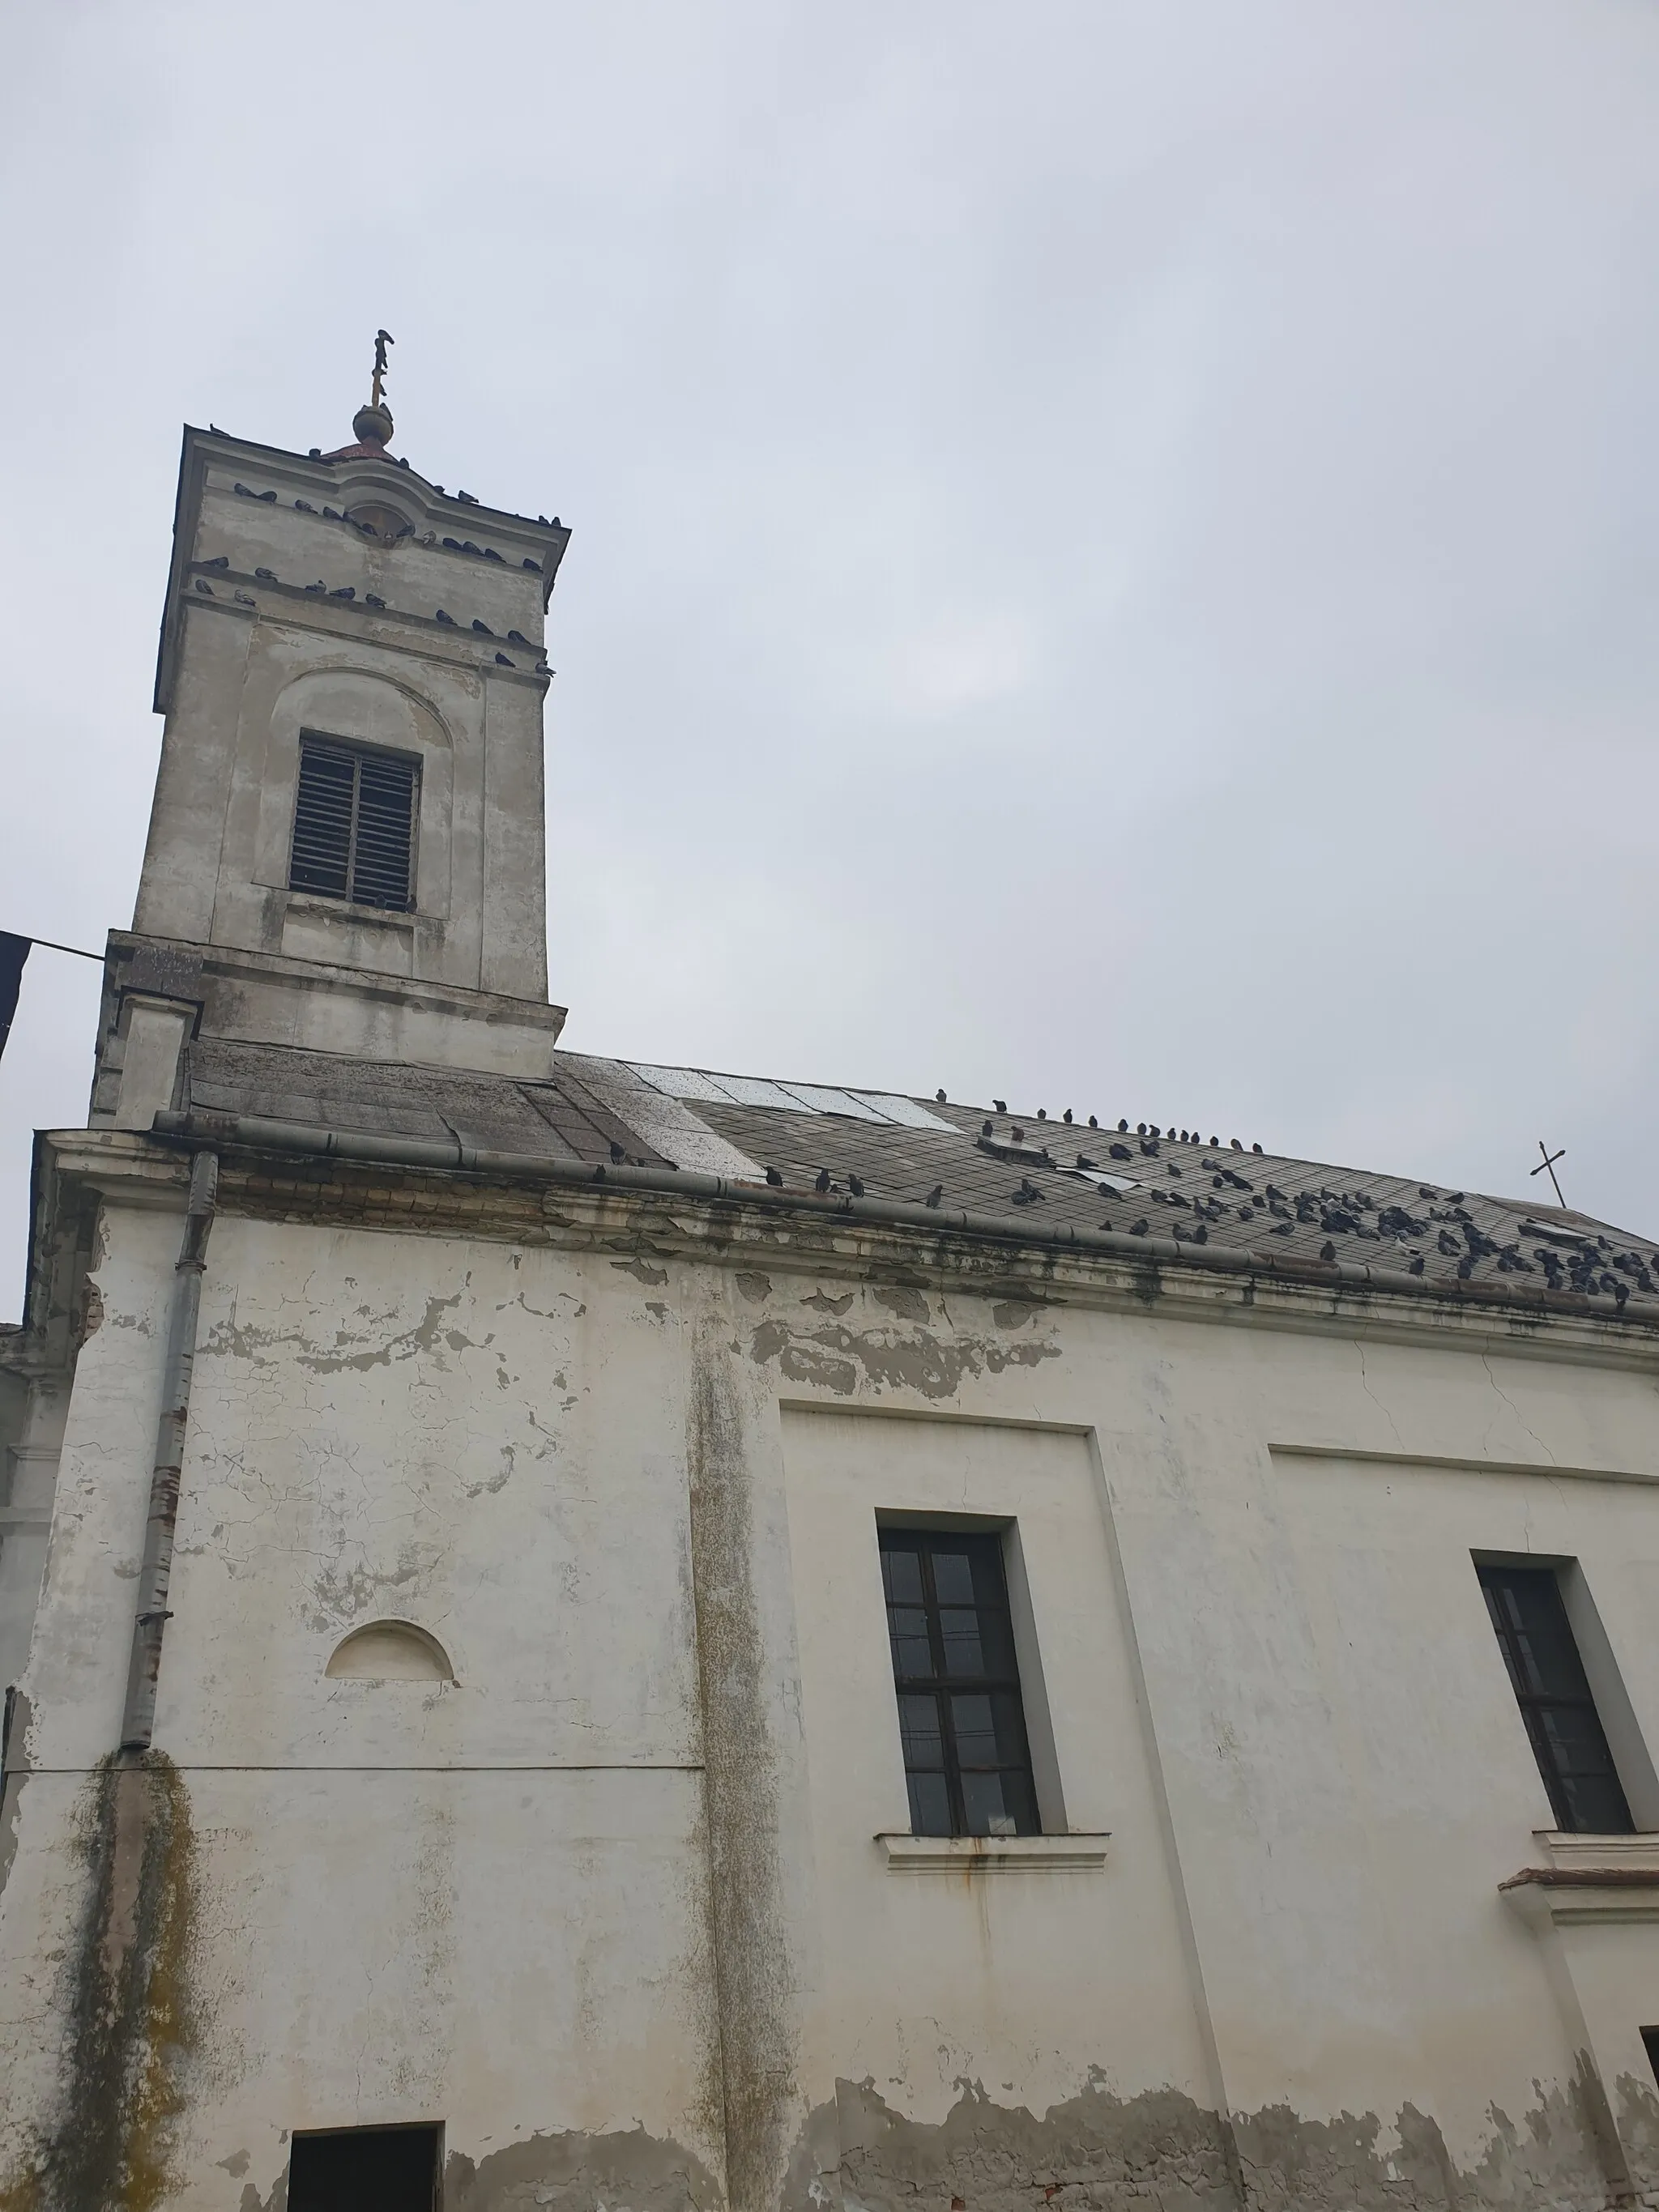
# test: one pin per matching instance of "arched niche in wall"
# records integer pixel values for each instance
(389, 1651)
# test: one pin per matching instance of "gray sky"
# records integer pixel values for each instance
(1117, 548)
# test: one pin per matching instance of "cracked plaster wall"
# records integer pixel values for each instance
(491, 1901)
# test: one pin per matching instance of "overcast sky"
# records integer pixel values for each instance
(1117, 548)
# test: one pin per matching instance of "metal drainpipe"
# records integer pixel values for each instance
(138, 1719)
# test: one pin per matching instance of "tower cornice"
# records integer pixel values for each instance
(345, 502)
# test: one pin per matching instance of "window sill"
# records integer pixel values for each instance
(978, 1855)
(1588, 1879)
(1585, 1854)
(346, 910)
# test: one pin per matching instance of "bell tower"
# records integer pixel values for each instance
(346, 848)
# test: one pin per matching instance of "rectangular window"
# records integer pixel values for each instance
(351, 2169)
(1650, 2045)
(353, 826)
(1548, 1676)
(961, 1721)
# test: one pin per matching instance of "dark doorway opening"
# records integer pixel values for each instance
(365, 2170)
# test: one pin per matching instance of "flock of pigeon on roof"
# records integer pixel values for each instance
(449, 545)
(1170, 1184)
(370, 600)
(222, 563)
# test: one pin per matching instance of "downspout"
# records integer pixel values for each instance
(143, 1671)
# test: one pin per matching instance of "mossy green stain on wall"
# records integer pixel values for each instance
(131, 2022)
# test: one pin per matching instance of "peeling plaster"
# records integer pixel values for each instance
(1097, 2152)
(579, 2174)
(12, 1782)
(228, 1338)
(842, 1360)
(1100, 2149)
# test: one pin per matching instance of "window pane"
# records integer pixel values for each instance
(989, 1731)
(1574, 1739)
(959, 1630)
(930, 1805)
(953, 1577)
(919, 1729)
(979, 1642)
(975, 1733)
(901, 1572)
(1595, 1805)
(1545, 1654)
(911, 1652)
(999, 1804)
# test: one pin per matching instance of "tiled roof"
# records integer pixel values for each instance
(975, 1159)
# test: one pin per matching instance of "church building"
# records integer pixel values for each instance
(592, 1635)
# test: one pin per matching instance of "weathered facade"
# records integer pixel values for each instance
(501, 1450)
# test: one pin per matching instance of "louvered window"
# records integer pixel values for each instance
(353, 826)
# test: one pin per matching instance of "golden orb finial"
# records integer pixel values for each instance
(373, 425)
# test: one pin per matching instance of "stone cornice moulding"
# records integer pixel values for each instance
(1450, 1462)
(308, 613)
(634, 1211)
(220, 452)
(491, 1008)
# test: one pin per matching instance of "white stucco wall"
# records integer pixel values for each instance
(621, 1875)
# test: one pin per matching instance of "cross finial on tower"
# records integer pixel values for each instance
(377, 389)
(370, 425)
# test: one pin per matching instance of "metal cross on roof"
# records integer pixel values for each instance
(382, 340)
(1548, 1163)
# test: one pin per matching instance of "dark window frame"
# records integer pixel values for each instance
(1528, 1611)
(346, 870)
(942, 1685)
